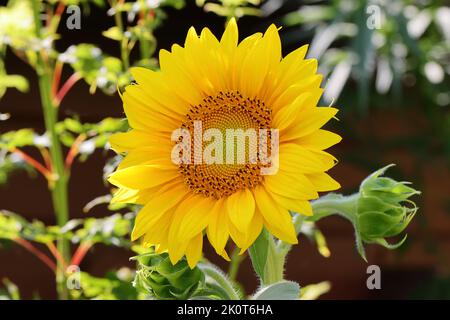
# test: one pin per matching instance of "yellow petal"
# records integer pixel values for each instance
(293, 60)
(132, 196)
(319, 140)
(194, 250)
(294, 205)
(176, 246)
(277, 220)
(287, 116)
(143, 118)
(203, 62)
(156, 155)
(174, 71)
(323, 182)
(230, 37)
(238, 237)
(294, 83)
(155, 85)
(259, 61)
(192, 38)
(291, 185)
(126, 141)
(194, 219)
(156, 234)
(297, 159)
(142, 177)
(241, 207)
(253, 232)
(160, 203)
(217, 230)
(176, 252)
(244, 48)
(148, 100)
(309, 121)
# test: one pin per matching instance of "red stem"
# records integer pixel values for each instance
(51, 246)
(47, 158)
(39, 167)
(39, 254)
(49, 17)
(80, 253)
(56, 78)
(59, 9)
(74, 151)
(66, 87)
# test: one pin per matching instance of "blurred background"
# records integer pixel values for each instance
(386, 66)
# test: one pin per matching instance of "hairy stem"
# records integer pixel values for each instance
(277, 250)
(236, 260)
(221, 279)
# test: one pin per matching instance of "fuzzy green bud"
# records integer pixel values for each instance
(157, 277)
(383, 208)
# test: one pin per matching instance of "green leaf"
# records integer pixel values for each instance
(114, 286)
(73, 125)
(390, 246)
(10, 292)
(315, 290)
(258, 253)
(283, 290)
(19, 138)
(13, 81)
(113, 33)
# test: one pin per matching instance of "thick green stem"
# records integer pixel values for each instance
(344, 206)
(58, 187)
(217, 276)
(277, 250)
(324, 207)
(144, 44)
(236, 260)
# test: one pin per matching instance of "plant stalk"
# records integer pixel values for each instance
(59, 187)
(124, 42)
(274, 269)
(236, 260)
(277, 250)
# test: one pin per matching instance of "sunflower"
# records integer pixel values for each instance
(223, 84)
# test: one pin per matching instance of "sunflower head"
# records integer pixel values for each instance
(225, 139)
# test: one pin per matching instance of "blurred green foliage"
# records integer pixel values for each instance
(231, 8)
(385, 47)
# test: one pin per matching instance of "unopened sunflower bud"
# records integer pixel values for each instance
(383, 208)
(159, 278)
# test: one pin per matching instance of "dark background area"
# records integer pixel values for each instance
(366, 146)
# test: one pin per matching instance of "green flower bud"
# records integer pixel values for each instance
(383, 208)
(157, 276)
